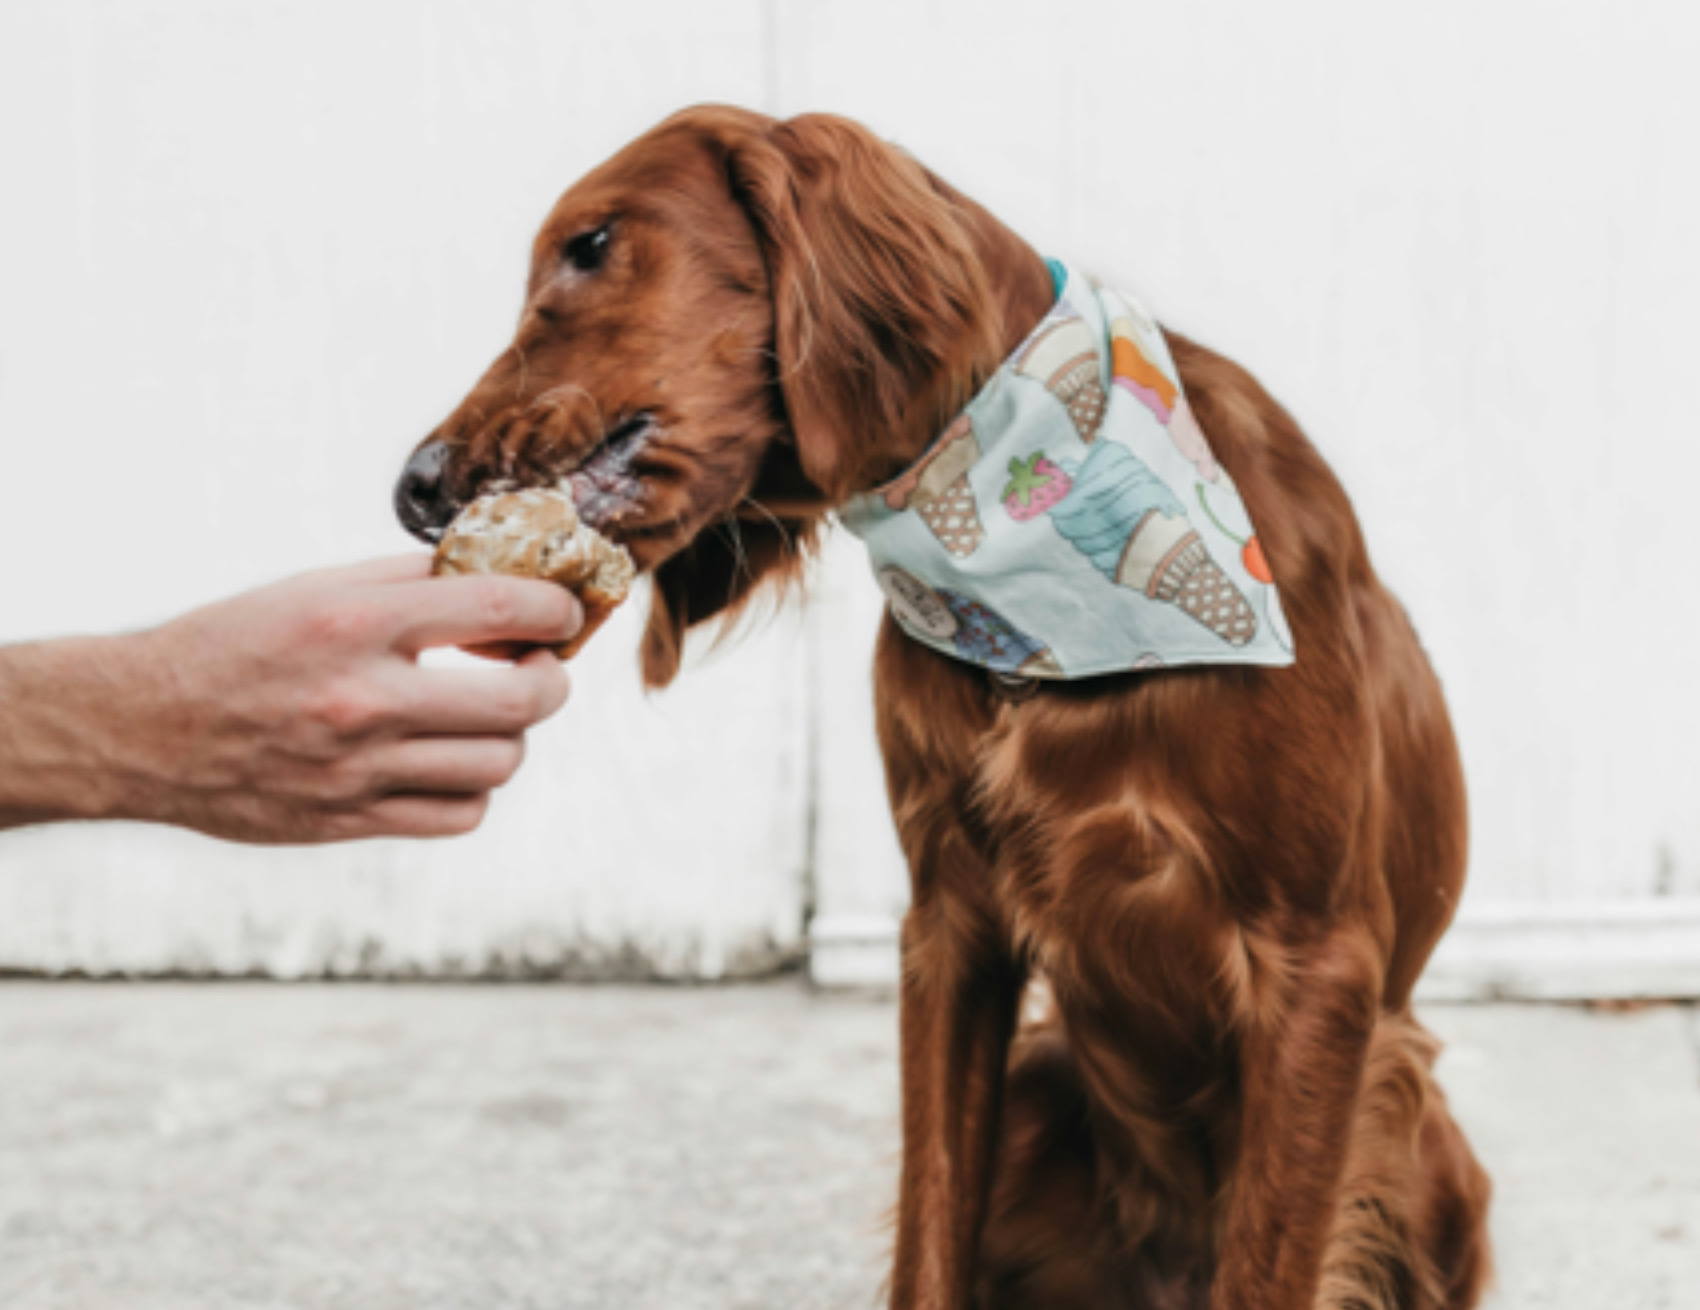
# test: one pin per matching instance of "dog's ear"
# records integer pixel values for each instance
(884, 325)
(883, 316)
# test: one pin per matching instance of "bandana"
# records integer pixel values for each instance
(1072, 521)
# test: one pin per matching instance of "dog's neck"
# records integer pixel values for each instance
(1024, 294)
(1024, 287)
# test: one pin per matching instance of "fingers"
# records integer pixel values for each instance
(481, 611)
(417, 816)
(486, 702)
(439, 786)
(445, 765)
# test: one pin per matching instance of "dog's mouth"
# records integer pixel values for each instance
(607, 485)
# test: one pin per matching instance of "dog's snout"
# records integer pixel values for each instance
(422, 499)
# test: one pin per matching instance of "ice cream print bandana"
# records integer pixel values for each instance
(1072, 520)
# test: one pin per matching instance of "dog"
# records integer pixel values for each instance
(1228, 877)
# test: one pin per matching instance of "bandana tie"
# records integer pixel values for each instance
(1072, 520)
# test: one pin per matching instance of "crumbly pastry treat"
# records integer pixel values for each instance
(537, 533)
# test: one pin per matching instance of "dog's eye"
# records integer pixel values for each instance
(588, 250)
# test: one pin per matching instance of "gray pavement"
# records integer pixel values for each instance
(436, 1147)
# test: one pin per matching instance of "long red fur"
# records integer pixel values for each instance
(1229, 878)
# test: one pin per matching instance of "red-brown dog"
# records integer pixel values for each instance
(1230, 876)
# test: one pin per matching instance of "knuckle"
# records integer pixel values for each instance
(498, 610)
(349, 781)
(515, 707)
(325, 787)
(345, 826)
(347, 710)
(338, 624)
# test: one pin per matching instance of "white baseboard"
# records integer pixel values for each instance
(1629, 950)
(1625, 950)
(853, 950)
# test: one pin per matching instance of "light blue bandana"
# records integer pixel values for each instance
(1072, 520)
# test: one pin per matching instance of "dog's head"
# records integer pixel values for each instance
(728, 328)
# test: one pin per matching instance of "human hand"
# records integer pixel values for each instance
(295, 713)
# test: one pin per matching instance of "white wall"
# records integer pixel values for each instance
(1457, 241)
(248, 253)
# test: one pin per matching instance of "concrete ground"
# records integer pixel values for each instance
(440, 1148)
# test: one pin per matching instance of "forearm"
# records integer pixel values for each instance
(61, 707)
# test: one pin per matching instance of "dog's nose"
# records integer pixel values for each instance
(422, 501)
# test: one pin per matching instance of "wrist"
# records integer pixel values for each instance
(63, 748)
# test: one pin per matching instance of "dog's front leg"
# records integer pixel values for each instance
(959, 997)
(1301, 1069)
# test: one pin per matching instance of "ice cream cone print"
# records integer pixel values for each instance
(985, 637)
(1134, 368)
(1126, 521)
(1084, 431)
(1190, 440)
(1133, 371)
(1064, 357)
(978, 633)
(937, 489)
(1168, 561)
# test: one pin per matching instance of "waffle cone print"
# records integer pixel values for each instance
(1184, 575)
(1127, 522)
(1064, 357)
(937, 489)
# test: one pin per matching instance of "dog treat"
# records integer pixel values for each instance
(538, 534)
